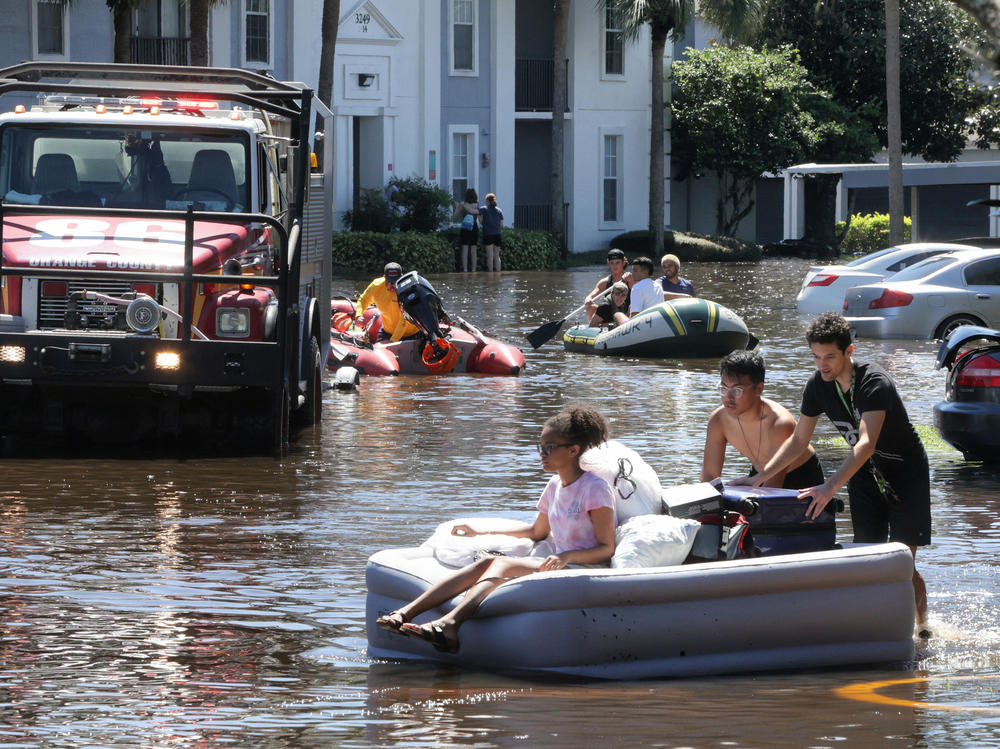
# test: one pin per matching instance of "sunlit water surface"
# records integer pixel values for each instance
(202, 602)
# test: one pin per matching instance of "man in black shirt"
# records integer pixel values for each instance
(887, 475)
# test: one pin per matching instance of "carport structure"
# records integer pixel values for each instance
(937, 197)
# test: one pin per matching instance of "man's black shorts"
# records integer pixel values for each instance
(876, 518)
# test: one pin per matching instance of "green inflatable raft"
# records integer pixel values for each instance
(680, 328)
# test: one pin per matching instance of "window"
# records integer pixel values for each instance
(258, 32)
(614, 43)
(983, 273)
(49, 29)
(463, 154)
(611, 181)
(463, 37)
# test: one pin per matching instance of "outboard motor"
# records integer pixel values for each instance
(420, 302)
(422, 305)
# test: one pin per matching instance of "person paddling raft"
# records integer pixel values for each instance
(617, 264)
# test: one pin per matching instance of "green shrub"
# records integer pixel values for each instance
(374, 214)
(868, 232)
(368, 252)
(687, 246)
(421, 205)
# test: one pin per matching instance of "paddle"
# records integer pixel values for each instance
(544, 333)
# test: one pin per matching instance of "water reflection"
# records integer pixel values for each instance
(165, 602)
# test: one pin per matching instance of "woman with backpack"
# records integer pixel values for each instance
(468, 235)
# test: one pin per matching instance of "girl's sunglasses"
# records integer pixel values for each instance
(547, 449)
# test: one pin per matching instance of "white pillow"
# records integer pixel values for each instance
(653, 541)
(458, 551)
(632, 480)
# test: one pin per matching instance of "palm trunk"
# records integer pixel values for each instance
(560, 23)
(199, 32)
(894, 127)
(656, 142)
(121, 14)
(331, 19)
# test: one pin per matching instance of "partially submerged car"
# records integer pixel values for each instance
(929, 299)
(969, 416)
(824, 285)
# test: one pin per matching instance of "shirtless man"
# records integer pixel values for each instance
(617, 264)
(755, 426)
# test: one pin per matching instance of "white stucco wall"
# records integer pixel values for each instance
(397, 42)
(605, 106)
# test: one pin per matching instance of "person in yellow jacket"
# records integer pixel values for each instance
(382, 293)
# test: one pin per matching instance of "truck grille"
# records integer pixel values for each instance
(52, 310)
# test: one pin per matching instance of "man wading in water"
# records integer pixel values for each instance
(887, 475)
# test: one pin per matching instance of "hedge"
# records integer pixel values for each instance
(438, 252)
(869, 232)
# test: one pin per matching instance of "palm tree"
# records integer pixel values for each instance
(667, 20)
(331, 20)
(198, 18)
(560, 23)
(893, 125)
(121, 13)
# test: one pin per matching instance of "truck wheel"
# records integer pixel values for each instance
(309, 413)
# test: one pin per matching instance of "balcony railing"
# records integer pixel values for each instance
(157, 51)
(533, 85)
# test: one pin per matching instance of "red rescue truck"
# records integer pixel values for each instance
(166, 263)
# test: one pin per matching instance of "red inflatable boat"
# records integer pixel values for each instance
(444, 346)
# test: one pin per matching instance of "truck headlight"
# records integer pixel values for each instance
(12, 354)
(232, 322)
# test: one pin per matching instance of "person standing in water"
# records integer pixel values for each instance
(754, 425)
(492, 218)
(886, 472)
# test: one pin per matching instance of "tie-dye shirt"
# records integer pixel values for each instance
(568, 510)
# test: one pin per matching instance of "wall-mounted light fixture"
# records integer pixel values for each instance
(365, 80)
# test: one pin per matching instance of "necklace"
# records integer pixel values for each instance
(754, 459)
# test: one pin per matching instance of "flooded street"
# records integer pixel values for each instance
(200, 602)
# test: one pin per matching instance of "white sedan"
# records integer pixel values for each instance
(824, 285)
(931, 298)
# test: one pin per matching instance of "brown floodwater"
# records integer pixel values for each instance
(196, 602)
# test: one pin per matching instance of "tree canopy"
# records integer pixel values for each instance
(740, 112)
(842, 44)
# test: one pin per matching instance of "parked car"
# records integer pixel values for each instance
(929, 299)
(969, 416)
(824, 286)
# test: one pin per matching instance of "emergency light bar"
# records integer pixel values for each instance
(130, 101)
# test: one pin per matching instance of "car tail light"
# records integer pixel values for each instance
(891, 298)
(822, 279)
(981, 372)
(53, 288)
(149, 289)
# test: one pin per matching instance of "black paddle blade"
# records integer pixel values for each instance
(544, 334)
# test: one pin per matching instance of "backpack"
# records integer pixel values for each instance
(722, 536)
(469, 222)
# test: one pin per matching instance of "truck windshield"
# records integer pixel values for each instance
(124, 168)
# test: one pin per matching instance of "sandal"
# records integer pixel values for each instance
(392, 621)
(433, 633)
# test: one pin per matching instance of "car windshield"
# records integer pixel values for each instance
(124, 168)
(924, 268)
(865, 259)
